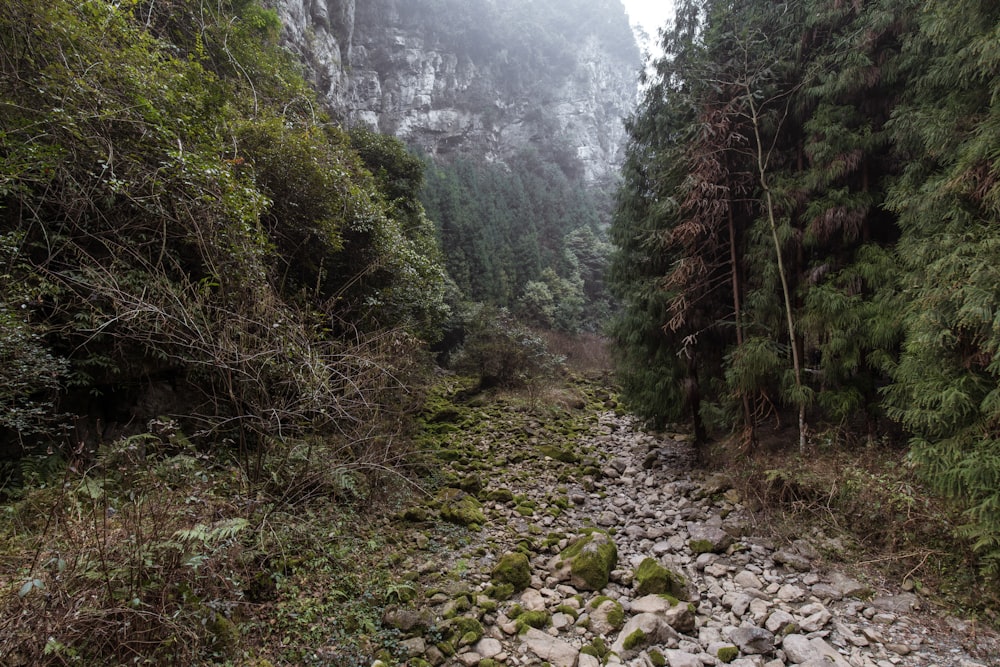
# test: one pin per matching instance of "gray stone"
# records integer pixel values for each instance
(644, 630)
(549, 648)
(753, 640)
(606, 618)
(677, 658)
(778, 621)
(828, 654)
(413, 647)
(847, 587)
(488, 647)
(792, 559)
(708, 538)
(747, 579)
(897, 604)
(798, 649)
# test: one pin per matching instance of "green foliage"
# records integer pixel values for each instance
(174, 206)
(526, 237)
(502, 352)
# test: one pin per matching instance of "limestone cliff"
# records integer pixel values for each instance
(481, 77)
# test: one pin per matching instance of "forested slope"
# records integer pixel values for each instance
(185, 232)
(808, 231)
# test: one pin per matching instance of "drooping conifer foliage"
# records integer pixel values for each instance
(805, 236)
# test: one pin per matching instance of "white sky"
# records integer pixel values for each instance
(651, 15)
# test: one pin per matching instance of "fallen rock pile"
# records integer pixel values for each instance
(634, 559)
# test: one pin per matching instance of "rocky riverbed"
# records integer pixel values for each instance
(605, 546)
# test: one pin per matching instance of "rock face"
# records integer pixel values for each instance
(487, 78)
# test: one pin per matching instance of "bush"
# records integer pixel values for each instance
(504, 353)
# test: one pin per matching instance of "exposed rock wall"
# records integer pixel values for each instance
(486, 78)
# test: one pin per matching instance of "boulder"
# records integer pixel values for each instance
(512, 569)
(641, 631)
(590, 560)
(652, 578)
(548, 648)
(753, 640)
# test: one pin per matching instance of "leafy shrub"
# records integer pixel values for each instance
(502, 352)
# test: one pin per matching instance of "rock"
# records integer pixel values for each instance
(778, 620)
(590, 559)
(897, 604)
(550, 649)
(747, 579)
(587, 660)
(798, 648)
(792, 559)
(816, 621)
(651, 577)
(513, 569)
(460, 508)
(406, 620)
(753, 640)
(641, 631)
(791, 593)
(827, 654)
(677, 658)
(488, 647)
(470, 659)
(607, 617)
(413, 647)
(704, 538)
(849, 588)
(532, 600)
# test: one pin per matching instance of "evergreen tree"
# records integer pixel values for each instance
(947, 382)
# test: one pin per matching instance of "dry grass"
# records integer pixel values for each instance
(881, 518)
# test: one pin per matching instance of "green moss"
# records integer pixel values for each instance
(533, 619)
(701, 546)
(727, 654)
(225, 634)
(460, 508)
(591, 559)
(569, 611)
(500, 495)
(651, 578)
(657, 658)
(633, 640)
(488, 662)
(513, 569)
(525, 510)
(500, 591)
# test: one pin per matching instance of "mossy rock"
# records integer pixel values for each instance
(591, 559)
(460, 508)
(225, 635)
(657, 658)
(465, 630)
(559, 454)
(513, 569)
(701, 546)
(533, 619)
(727, 654)
(652, 578)
(414, 514)
(633, 640)
(500, 495)
(500, 591)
